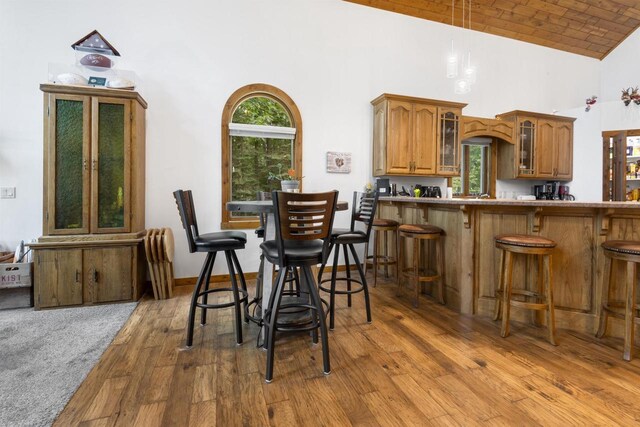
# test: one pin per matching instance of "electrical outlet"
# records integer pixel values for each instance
(7, 192)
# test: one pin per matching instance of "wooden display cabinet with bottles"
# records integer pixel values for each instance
(621, 165)
(543, 147)
(415, 136)
(93, 207)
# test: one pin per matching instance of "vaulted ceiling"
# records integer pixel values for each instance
(586, 27)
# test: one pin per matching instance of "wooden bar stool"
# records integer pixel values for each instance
(381, 228)
(629, 252)
(512, 244)
(418, 273)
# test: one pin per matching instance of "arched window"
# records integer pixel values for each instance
(261, 141)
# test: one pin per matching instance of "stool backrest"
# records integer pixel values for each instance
(364, 210)
(184, 201)
(303, 216)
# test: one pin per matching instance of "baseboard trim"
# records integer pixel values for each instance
(217, 278)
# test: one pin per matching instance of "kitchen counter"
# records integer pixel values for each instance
(511, 202)
(472, 261)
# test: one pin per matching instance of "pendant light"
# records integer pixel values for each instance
(460, 67)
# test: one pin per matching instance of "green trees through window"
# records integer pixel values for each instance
(253, 157)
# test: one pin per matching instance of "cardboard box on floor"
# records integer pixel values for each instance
(16, 288)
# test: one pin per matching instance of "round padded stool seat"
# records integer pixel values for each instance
(420, 229)
(381, 222)
(525, 240)
(622, 246)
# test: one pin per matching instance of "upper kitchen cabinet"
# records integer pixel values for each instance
(542, 148)
(94, 160)
(415, 136)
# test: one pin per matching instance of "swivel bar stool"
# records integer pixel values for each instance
(541, 248)
(628, 252)
(363, 211)
(212, 243)
(303, 227)
(416, 272)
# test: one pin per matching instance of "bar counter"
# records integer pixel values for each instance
(472, 261)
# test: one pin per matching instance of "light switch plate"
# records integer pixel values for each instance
(7, 192)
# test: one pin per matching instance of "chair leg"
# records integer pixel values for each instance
(315, 297)
(551, 317)
(236, 296)
(629, 310)
(497, 314)
(506, 295)
(604, 313)
(271, 319)
(416, 270)
(365, 287)
(541, 286)
(332, 294)
(440, 263)
(348, 273)
(366, 256)
(243, 283)
(385, 240)
(205, 297)
(399, 253)
(194, 299)
(376, 251)
(324, 264)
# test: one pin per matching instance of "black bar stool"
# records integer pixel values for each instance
(363, 211)
(628, 252)
(303, 227)
(542, 248)
(212, 243)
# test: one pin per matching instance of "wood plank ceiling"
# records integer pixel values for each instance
(586, 27)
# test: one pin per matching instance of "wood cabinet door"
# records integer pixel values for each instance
(110, 165)
(448, 142)
(545, 149)
(66, 180)
(58, 277)
(108, 274)
(379, 139)
(399, 138)
(425, 121)
(564, 150)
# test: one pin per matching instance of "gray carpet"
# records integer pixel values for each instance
(45, 355)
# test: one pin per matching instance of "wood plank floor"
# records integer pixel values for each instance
(426, 366)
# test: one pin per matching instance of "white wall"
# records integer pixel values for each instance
(330, 56)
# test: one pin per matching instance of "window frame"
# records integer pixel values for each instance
(238, 97)
(490, 173)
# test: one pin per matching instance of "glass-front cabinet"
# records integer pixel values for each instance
(449, 142)
(526, 137)
(88, 187)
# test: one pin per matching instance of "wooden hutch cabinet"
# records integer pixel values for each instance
(542, 149)
(93, 207)
(415, 136)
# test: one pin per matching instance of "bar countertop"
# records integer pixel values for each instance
(512, 202)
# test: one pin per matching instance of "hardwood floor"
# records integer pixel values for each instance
(428, 366)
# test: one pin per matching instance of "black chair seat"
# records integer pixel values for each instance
(351, 237)
(220, 241)
(305, 252)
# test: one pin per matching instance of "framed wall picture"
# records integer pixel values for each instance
(338, 162)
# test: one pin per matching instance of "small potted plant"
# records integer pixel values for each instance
(289, 181)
